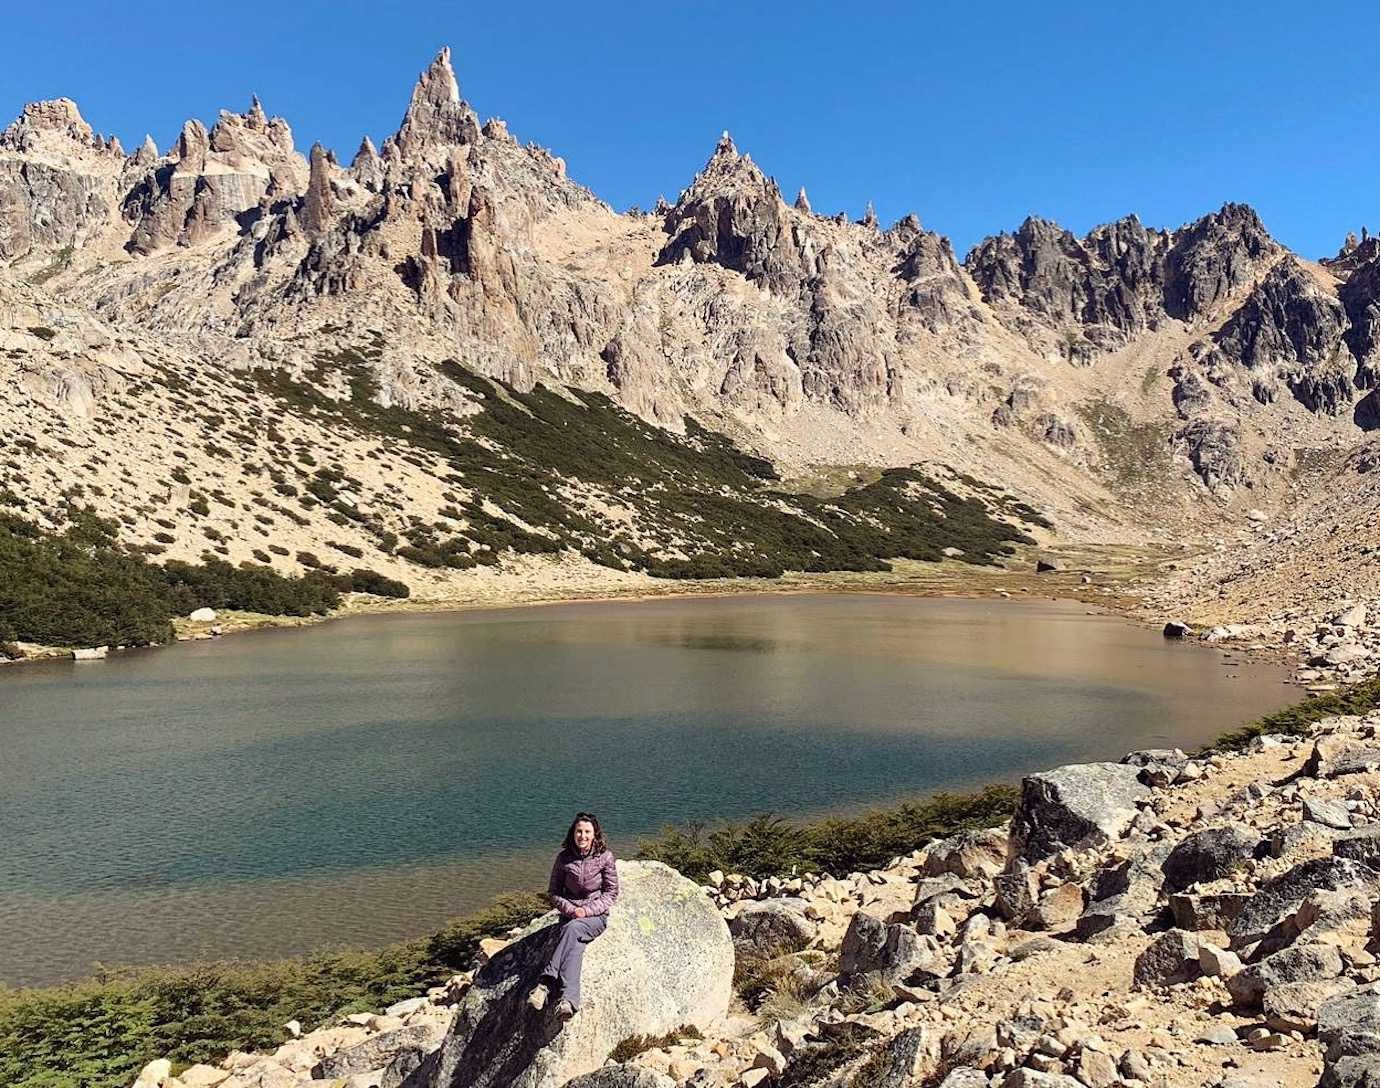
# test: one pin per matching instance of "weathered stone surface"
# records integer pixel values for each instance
(893, 951)
(771, 927)
(1208, 855)
(1215, 911)
(665, 961)
(1170, 958)
(1057, 909)
(1016, 891)
(1279, 897)
(378, 1051)
(1328, 813)
(1293, 1006)
(1291, 327)
(1349, 1030)
(622, 1076)
(1158, 766)
(1341, 754)
(969, 855)
(1299, 963)
(1075, 806)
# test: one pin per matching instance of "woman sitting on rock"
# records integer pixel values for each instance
(583, 887)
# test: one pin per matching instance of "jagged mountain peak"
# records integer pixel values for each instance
(436, 114)
(52, 127)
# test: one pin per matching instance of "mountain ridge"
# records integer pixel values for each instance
(1133, 384)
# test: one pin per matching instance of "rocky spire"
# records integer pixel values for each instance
(318, 205)
(256, 118)
(57, 116)
(802, 201)
(192, 146)
(436, 114)
(869, 219)
(147, 154)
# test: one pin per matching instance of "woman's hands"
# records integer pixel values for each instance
(579, 913)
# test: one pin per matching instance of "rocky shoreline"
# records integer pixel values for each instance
(1166, 921)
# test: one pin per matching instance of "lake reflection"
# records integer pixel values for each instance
(361, 781)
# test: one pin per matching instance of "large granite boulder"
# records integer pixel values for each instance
(1208, 855)
(1278, 898)
(665, 962)
(1349, 1029)
(1078, 806)
(771, 927)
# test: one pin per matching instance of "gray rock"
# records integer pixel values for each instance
(771, 927)
(1290, 323)
(893, 951)
(665, 961)
(1362, 844)
(1293, 1006)
(1217, 1035)
(1029, 1078)
(1208, 855)
(1158, 766)
(1016, 891)
(1170, 958)
(1299, 963)
(379, 1051)
(1328, 813)
(1340, 754)
(965, 1077)
(969, 855)
(1210, 911)
(1349, 1030)
(1280, 896)
(1074, 807)
(622, 1076)
(907, 1059)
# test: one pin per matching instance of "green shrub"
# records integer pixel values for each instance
(81, 588)
(767, 845)
(454, 946)
(1299, 719)
(100, 1033)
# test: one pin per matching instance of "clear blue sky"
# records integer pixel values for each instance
(971, 115)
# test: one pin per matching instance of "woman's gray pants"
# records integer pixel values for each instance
(569, 953)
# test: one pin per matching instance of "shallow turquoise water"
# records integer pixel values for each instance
(361, 781)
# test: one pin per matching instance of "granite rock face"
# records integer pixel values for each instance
(1074, 806)
(665, 962)
(1119, 280)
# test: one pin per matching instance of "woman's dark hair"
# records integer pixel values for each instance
(598, 846)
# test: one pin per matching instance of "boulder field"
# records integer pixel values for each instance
(1166, 921)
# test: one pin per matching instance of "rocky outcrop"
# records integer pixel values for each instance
(1073, 298)
(665, 962)
(733, 216)
(1291, 328)
(55, 180)
(436, 117)
(1074, 807)
(209, 179)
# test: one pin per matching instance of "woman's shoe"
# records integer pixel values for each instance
(565, 1010)
(537, 998)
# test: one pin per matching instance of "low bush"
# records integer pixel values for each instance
(1298, 719)
(101, 1032)
(767, 845)
(80, 587)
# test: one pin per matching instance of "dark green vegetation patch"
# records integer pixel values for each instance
(703, 508)
(770, 845)
(79, 587)
(100, 1033)
(1298, 720)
